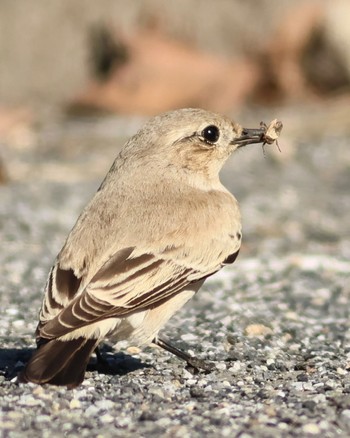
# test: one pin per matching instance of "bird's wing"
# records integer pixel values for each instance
(129, 281)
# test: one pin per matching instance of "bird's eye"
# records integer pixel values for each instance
(211, 134)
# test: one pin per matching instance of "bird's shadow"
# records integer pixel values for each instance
(13, 360)
(115, 363)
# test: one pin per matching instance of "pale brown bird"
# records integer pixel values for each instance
(159, 225)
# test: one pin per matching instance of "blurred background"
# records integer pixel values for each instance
(76, 69)
(78, 78)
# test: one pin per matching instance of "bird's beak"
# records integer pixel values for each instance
(250, 136)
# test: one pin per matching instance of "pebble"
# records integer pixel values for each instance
(186, 374)
(11, 311)
(257, 330)
(220, 366)
(74, 404)
(43, 418)
(92, 411)
(18, 323)
(189, 337)
(30, 401)
(154, 390)
(133, 350)
(236, 367)
(311, 428)
(106, 418)
(105, 404)
(345, 414)
(7, 425)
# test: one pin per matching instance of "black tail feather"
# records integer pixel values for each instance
(59, 362)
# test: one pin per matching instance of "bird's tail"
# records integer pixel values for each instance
(59, 362)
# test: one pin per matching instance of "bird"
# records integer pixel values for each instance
(160, 223)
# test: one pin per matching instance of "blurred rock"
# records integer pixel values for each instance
(337, 30)
(162, 73)
(290, 50)
(285, 50)
(16, 134)
(3, 173)
(256, 330)
(16, 126)
(44, 47)
(303, 59)
(106, 54)
(295, 61)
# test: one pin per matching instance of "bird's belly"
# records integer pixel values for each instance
(141, 327)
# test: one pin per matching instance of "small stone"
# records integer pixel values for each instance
(164, 422)
(311, 428)
(91, 411)
(292, 315)
(106, 418)
(346, 415)
(186, 374)
(235, 367)
(220, 366)
(42, 418)
(147, 415)
(287, 337)
(298, 386)
(208, 388)
(189, 337)
(196, 392)
(254, 330)
(15, 415)
(105, 404)
(331, 384)
(74, 404)
(39, 390)
(156, 391)
(55, 407)
(8, 425)
(30, 401)
(81, 393)
(11, 311)
(309, 404)
(133, 350)
(302, 377)
(177, 384)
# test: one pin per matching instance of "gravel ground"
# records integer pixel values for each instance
(275, 324)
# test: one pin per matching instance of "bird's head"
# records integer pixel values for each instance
(189, 139)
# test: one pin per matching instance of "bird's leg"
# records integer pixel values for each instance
(194, 362)
(102, 363)
(100, 359)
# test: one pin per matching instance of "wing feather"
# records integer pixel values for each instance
(104, 298)
(128, 282)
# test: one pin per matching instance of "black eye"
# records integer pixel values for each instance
(211, 134)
